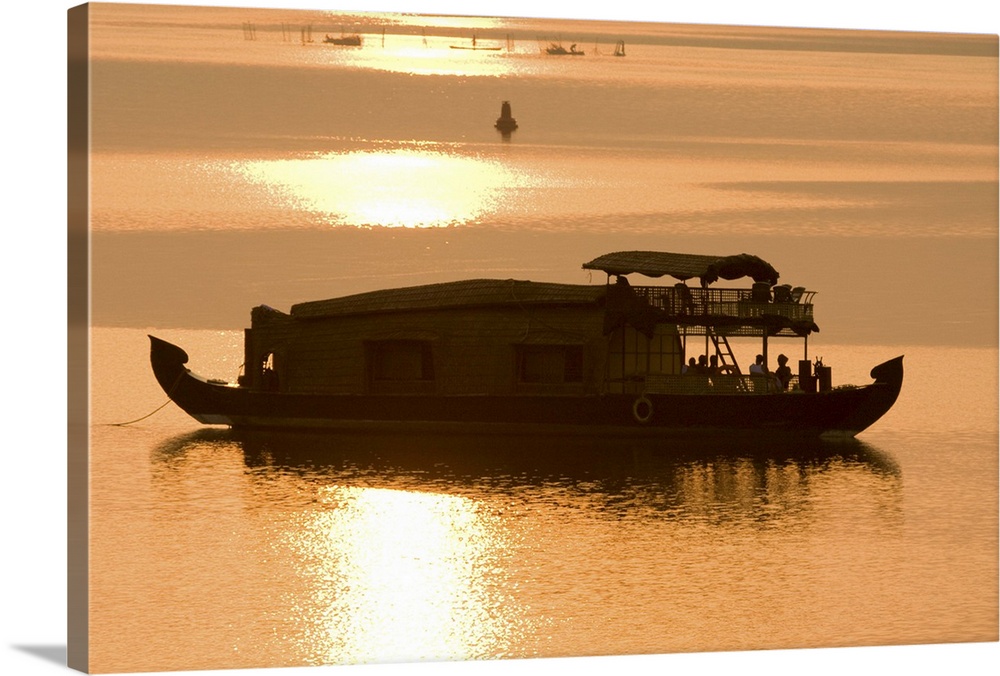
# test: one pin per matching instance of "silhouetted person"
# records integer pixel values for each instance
(760, 369)
(783, 373)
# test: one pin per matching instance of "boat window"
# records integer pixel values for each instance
(400, 362)
(632, 355)
(550, 363)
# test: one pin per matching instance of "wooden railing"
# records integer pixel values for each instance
(682, 300)
(715, 384)
(656, 383)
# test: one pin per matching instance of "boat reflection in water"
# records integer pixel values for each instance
(455, 458)
(389, 547)
(684, 478)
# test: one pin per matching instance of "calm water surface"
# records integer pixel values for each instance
(230, 172)
(215, 548)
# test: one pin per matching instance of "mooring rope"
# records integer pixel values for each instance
(154, 411)
(130, 422)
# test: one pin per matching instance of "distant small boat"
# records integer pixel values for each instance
(559, 50)
(476, 46)
(505, 123)
(620, 48)
(345, 40)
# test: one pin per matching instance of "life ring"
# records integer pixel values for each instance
(642, 409)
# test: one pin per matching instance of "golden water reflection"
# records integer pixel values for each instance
(357, 548)
(430, 54)
(404, 187)
(433, 58)
(400, 575)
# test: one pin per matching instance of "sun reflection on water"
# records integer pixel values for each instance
(466, 54)
(404, 575)
(396, 188)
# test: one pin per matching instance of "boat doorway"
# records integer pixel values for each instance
(269, 373)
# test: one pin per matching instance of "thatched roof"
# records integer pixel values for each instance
(466, 293)
(685, 266)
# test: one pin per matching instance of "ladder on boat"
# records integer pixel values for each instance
(726, 357)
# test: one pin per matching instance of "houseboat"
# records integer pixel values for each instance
(503, 355)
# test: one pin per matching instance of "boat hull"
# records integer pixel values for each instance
(840, 412)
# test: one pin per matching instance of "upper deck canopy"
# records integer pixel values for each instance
(685, 266)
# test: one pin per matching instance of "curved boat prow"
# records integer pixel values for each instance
(889, 372)
(876, 400)
(204, 400)
(881, 395)
(161, 350)
(168, 362)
